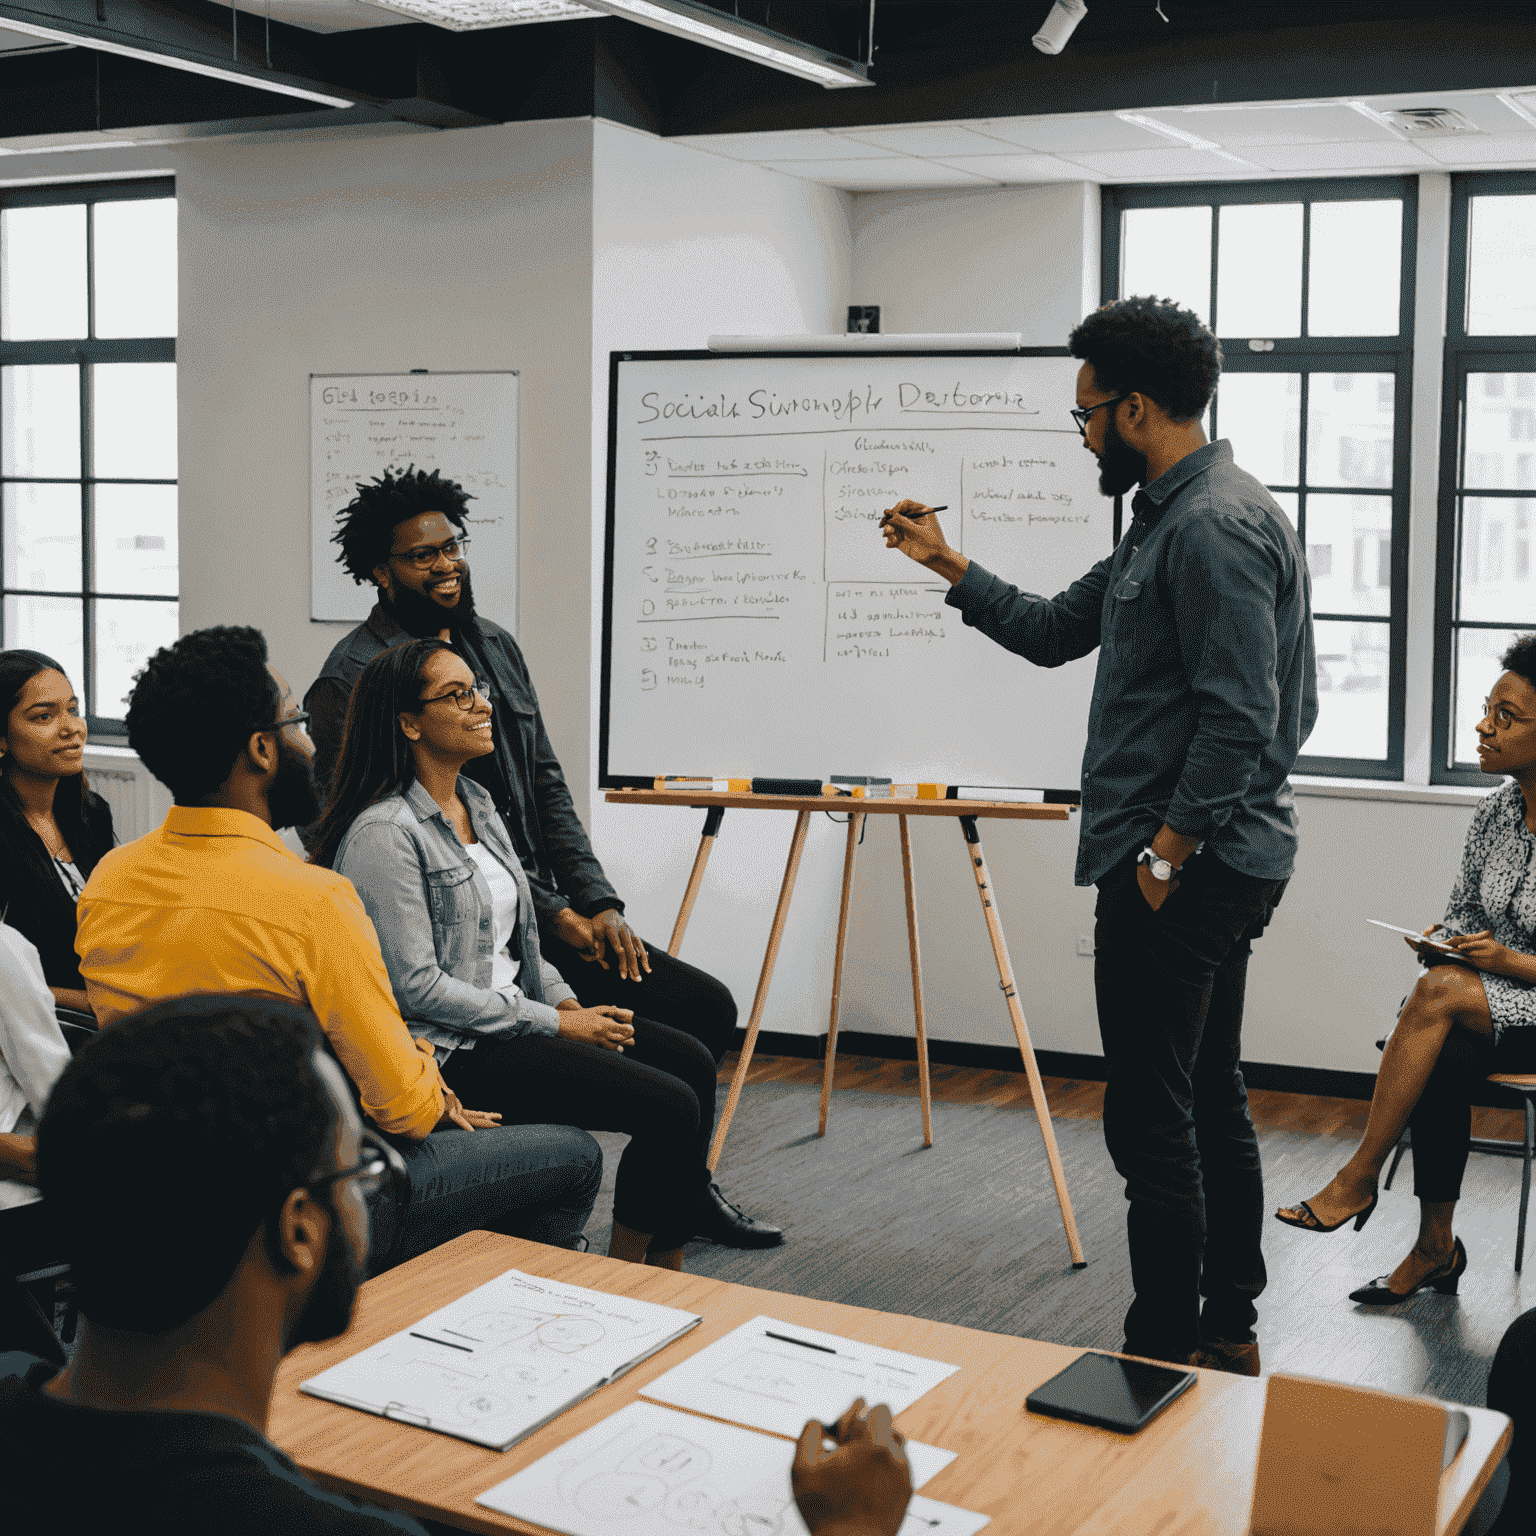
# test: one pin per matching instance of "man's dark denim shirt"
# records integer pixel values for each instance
(1207, 677)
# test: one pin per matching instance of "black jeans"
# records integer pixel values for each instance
(1441, 1121)
(1169, 986)
(660, 1092)
(674, 992)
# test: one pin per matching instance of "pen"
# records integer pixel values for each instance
(784, 1338)
(427, 1337)
(925, 511)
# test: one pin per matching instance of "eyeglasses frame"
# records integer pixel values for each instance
(1082, 414)
(481, 686)
(459, 543)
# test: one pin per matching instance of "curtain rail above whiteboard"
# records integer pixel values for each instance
(463, 424)
(754, 624)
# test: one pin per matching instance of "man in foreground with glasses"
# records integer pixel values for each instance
(1205, 690)
(213, 901)
(404, 533)
(208, 1178)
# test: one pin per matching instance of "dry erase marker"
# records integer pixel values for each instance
(925, 511)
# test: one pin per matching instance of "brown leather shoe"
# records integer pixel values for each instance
(1224, 1355)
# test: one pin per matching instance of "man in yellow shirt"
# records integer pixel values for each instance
(213, 901)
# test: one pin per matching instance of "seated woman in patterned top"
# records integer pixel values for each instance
(1466, 1017)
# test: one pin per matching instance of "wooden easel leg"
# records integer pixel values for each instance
(917, 981)
(1021, 1033)
(791, 870)
(855, 825)
(706, 845)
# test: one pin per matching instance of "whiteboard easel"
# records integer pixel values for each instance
(463, 424)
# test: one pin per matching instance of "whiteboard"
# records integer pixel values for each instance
(755, 623)
(464, 424)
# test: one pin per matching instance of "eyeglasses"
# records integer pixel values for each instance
(1503, 716)
(301, 720)
(424, 557)
(379, 1163)
(464, 697)
(1082, 414)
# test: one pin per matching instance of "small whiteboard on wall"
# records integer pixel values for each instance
(463, 424)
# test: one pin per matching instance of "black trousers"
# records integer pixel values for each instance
(674, 993)
(660, 1092)
(1441, 1121)
(1169, 986)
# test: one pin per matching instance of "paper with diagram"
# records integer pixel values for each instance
(774, 1375)
(498, 1363)
(647, 1471)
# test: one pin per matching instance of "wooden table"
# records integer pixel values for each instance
(1189, 1473)
(966, 812)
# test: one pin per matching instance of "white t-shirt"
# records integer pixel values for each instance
(32, 1048)
(69, 877)
(504, 967)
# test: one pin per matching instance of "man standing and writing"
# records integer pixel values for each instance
(1205, 690)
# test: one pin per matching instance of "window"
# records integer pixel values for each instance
(1485, 594)
(1309, 285)
(88, 556)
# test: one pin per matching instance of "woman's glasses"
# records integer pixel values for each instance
(464, 698)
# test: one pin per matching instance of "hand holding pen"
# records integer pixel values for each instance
(911, 527)
(862, 1486)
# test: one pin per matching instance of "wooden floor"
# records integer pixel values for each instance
(1078, 1098)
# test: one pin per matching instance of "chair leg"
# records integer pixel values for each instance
(1403, 1143)
(1525, 1182)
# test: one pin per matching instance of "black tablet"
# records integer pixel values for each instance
(1113, 1393)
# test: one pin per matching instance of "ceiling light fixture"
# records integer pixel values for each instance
(682, 18)
(703, 24)
(175, 61)
(1059, 25)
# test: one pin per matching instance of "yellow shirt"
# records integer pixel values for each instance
(214, 901)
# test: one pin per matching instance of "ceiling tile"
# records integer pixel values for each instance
(1019, 168)
(1158, 164)
(1062, 135)
(1479, 150)
(1340, 157)
(1483, 110)
(801, 144)
(893, 172)
(1310, 123)
(936, 140)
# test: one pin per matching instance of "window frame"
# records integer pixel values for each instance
(1464, 355)
(1313, 354)
(84, 353)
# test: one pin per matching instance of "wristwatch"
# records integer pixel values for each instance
(1157, 865)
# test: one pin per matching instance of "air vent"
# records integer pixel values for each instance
(1430, 122)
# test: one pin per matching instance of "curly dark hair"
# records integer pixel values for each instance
(196, 703)
(214, 1099)
(375, 758)
(369, 520)
(1153, 346)
(1520, 658)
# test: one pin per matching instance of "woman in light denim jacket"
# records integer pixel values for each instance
(438, 875)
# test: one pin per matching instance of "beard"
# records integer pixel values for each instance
(1120, 465)
(421, 617)
(294, 798)
(327, 1313)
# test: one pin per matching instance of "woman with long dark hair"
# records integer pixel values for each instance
(445, 889)
(53, 829)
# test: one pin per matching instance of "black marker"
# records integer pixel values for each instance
(784, 1338)
(427, 1337)
(924, 512)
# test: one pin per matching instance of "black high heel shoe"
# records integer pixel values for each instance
(1310, 1223)
(1446, 1279)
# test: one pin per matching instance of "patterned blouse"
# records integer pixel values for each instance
(1495, 891)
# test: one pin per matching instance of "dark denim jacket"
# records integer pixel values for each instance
(1207, 676)
(541, 819)
(431, 907)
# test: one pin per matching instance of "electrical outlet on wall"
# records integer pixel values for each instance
(1085, 945)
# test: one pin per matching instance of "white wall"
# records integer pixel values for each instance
(686, 245)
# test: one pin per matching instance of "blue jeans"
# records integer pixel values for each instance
(533, 1181)
(1170, 999)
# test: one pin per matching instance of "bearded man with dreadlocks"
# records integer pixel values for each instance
(404, 532)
